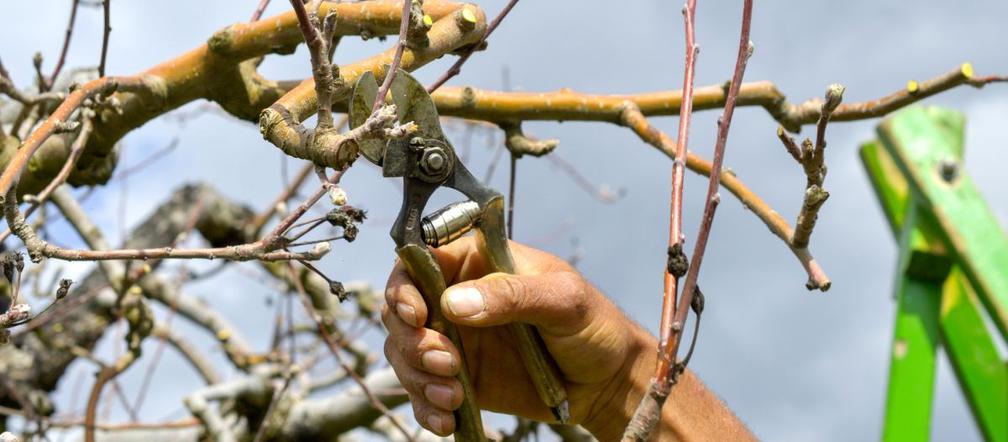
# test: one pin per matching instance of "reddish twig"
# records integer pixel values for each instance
(648, 412)
(675, 241)
(66, 45)
(397, 58)
(281, 199)
(105, 37)
(334, 348)
(689, 287)
(456, 68)
(105, 375)
(259, 10)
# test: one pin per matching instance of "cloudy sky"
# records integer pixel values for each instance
(793, 365)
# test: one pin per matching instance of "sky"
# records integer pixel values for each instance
(793, 364)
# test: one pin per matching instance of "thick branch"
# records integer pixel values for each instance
(222, 70)
(446, 35)
(567, 105)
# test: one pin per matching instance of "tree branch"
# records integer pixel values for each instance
(567, 105)
(636, 121)
(456, 68)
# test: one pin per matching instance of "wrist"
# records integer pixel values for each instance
(619, 400)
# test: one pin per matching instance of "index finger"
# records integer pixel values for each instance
(404, 298)
(402, 295)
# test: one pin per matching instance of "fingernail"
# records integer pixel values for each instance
(438, 362)
(435, 422)
(439, 395)
(465, 302)
(407, 313)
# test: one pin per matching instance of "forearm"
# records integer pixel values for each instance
(692, 412)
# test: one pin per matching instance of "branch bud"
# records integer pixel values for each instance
(834, 95)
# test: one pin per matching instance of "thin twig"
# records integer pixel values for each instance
(675, 241)
(456, 68)
(648, 412)
(724, 123)
(601, 193)
(106, 374)
(281, 200)
(813, 163)
(76, 149)
(66, 44)
(148, 160)
(492, 167)
(261, 432)
(105, 37)
(511, 196)
(397, 58)
(259, 10)
(266, 249)
(334, 348)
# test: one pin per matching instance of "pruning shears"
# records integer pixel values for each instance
(426, 161)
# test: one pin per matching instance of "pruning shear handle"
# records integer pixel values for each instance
(427, 161)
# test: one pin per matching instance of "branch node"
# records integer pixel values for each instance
(520, 144)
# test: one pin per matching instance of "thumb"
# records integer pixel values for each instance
(556, 303)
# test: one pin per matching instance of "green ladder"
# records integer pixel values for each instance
(952, 274)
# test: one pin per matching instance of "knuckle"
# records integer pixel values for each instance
(385, 314)
(404, 347)
(574, 289)
(513, 290)
(389, 350)
(390, 294)
(422, 414)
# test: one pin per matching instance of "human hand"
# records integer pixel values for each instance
(596, 347)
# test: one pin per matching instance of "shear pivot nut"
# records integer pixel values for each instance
(435, 163)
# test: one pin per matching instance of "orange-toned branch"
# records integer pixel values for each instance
(448, 33)
(567, 105)
(61, 115)
(222, 70)
(281, 122)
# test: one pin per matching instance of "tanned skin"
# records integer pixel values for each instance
(606, 359)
